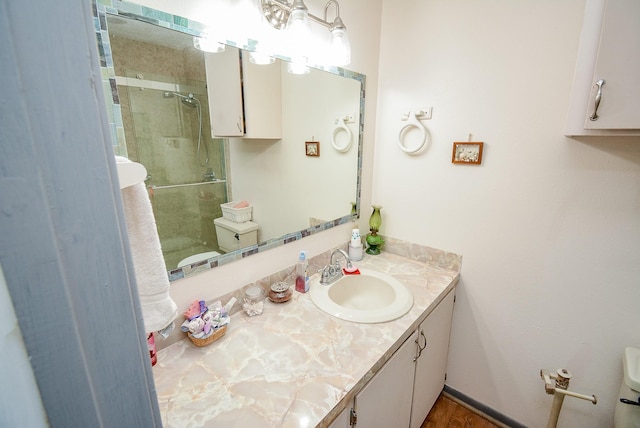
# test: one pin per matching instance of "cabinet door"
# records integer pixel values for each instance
(618, 63)
(386, 400)
(343, 420)
(225, 93)
(431, 366)
(262, 91)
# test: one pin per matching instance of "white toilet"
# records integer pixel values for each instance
(197, 257)
(233, 236)
(627, 415)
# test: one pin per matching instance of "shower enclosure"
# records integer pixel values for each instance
(161, 89)
(169, 133)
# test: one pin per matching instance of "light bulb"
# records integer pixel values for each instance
(247, 19)
(298, 31)
(207, 45)
(261, 58)
(298, 67)
(340, 54)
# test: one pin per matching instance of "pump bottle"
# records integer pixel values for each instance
(302, 275)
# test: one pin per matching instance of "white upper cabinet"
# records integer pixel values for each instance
(224, 89)
(605, 99)
(262, 99)
(245, 100)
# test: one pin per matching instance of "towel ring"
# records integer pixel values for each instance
(413, 123)
(342, 126)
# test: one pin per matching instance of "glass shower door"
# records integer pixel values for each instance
(169, 133)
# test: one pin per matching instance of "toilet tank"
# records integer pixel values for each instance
(627, 415)
(233, 236)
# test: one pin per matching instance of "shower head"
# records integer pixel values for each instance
(188, 100)
(191, 102)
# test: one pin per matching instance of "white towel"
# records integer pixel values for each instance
(129, 173)
(158, 309)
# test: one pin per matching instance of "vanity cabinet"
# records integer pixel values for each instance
(245, 99)
(404, 390)
(431, 364)
(607, 70)
(386, 400)
(343, 420)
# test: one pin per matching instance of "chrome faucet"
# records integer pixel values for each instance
(333, 271)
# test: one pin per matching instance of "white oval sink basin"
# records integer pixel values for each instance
(370, 297)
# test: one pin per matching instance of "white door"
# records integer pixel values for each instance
(386, 400)
(618, 64)
(431, 366)
(224, 89)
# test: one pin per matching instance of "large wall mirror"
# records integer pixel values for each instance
(301, 180)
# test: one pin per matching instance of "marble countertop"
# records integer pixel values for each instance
(294, 365)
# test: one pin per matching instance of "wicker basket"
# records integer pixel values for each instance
(236, 215)
(217, 334)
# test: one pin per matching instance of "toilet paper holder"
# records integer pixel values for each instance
(559, 389)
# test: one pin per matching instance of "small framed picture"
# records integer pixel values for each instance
(312, 148)
(468, 153)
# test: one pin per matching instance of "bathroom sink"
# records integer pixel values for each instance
(370, 297)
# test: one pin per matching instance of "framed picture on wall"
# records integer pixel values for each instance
(312, 148)
(467, 153)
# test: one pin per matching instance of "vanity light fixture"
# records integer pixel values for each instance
(295, 19)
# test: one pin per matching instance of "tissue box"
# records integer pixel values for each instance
(236, 215)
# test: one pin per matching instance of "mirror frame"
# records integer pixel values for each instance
(195, 28)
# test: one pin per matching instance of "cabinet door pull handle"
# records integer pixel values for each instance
(425, 341)
(420, 348)
(600, 83)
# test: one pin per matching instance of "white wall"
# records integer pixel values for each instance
(549, 227)
(285, 186)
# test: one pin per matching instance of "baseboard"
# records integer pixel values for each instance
(486, 412)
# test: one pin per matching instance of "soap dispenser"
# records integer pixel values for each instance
(355, 246)
(302, 275)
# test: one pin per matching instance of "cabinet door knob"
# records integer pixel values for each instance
(600, 83)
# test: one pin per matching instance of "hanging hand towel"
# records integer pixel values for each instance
(129, 173)
(158, 309)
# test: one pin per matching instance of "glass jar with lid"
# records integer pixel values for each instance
(253, 301)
